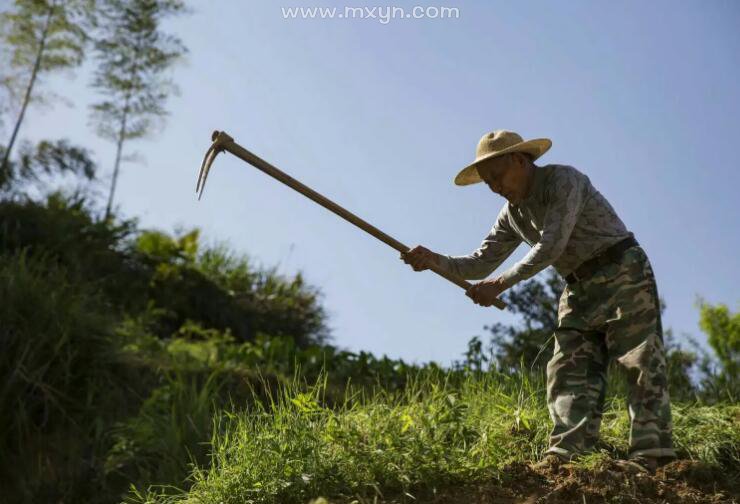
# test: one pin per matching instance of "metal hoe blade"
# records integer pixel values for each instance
(220, 139)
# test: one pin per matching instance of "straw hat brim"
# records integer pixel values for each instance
(536, 147)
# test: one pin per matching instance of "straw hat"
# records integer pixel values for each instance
(497, 143)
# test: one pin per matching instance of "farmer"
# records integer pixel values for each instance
(608, 310)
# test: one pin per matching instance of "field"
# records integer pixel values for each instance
(438, 440)
(121, 384)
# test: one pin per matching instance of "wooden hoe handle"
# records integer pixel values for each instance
(223, 142)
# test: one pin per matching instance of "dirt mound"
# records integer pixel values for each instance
(682, 481)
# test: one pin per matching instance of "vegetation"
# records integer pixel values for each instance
(42, 36)
(132, 55)
(437, 433)
(120, 345)
(120, 378)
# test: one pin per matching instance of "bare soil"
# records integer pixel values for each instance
(681, 481)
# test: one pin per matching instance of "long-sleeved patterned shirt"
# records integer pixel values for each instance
(563, 218)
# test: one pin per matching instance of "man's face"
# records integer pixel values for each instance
(508, 175)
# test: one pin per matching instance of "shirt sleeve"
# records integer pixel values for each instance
(565, 200)
(495, 248)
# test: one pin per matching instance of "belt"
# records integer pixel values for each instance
(611, 255)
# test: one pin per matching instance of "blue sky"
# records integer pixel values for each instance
(641, 96)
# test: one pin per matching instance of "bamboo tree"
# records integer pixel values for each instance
(43, 36)
(48, 158)
(133, 55)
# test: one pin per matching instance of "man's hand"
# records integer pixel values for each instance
(484, 293)
(420, 258)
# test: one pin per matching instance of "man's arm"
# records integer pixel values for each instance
(495, 248)
(566, 196)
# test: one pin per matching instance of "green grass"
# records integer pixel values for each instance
(58, 370)
(127, 364)
(439, 432)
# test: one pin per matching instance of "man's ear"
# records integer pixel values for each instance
(523, 159)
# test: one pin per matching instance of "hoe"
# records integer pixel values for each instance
(223, 142)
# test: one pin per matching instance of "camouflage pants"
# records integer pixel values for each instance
(614, 314)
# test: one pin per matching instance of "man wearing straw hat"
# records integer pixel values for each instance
(608, 310)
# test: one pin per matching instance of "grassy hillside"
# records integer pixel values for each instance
(143, 367)
(440, 435)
